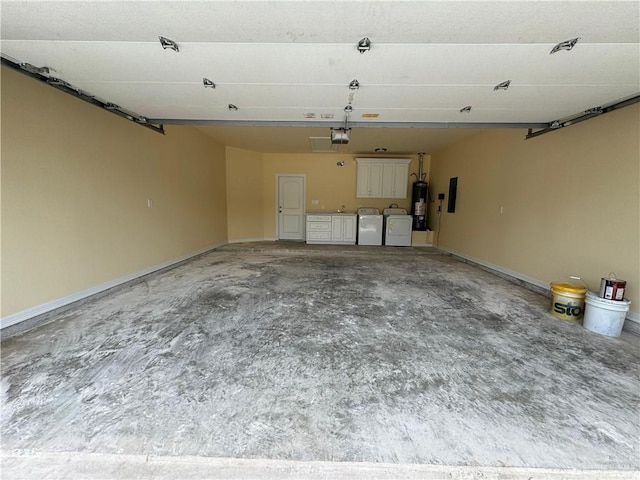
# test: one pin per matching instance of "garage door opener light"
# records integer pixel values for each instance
(340, 135)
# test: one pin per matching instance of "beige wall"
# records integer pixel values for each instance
(75, 184)
(245, 220)
(570, 198)
(333, 186)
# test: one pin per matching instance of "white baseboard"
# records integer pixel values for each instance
(23, 315)
(422, 244)
(631, 316)
(249, 240)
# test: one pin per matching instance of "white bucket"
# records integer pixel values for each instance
(603, 316)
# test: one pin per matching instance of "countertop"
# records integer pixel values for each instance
(330, 212)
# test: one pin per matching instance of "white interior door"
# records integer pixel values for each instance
(290, 207)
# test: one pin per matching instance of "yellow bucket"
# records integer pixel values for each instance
(567, 301)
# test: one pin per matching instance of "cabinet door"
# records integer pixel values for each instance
(349, 229)
(337, 229)
(400, 179)
(363, 173)
(375, 180)
(369, 181)
(394, 180)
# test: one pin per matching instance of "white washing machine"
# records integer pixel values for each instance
(369, 226)
(397, 227)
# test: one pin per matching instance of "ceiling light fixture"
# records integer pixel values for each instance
(502, 85)
(340, 164)
(566, 45)
(208, 83)
(111, 106)
(380, 150)
(348, 109)
(167, 43)
(354, 85)
(364, 45)
(232, 107)
(466, 109)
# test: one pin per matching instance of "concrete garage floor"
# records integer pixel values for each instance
(278, 360)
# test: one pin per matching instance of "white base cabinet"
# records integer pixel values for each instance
(343, 229)
(331, 228)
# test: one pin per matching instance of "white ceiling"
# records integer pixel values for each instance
(279, 60)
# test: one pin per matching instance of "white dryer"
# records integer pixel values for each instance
(369, 226)
(397, 227)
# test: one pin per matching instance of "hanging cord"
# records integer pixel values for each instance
(439, 223)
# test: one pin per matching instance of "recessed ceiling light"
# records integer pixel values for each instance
(354, 85)
(326, 115)
(232, 107)
(566, 45)
(364, 45)
(380, 150)
(370, 115)
(503, 85)
(309, 115)
(167, 43)
(208, 83)
(466, 109)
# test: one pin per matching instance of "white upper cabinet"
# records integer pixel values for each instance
(382, 177)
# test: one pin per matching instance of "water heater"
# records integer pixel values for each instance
(419, 205)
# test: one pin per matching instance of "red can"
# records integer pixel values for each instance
(612, 289)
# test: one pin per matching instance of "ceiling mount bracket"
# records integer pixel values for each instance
(168, 44)
(502, 85)
(33, 69)
(566, 45)
(364, 45)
